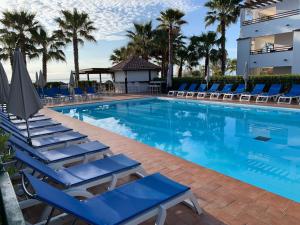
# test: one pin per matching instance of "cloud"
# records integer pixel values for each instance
(111, 17)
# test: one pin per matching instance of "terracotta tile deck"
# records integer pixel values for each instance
(224, 199)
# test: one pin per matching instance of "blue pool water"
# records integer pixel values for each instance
(257, 145)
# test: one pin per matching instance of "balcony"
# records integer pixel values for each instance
(272, 17)
(271, 50)
(271, 59)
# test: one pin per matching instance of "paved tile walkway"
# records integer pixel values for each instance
(224, 199)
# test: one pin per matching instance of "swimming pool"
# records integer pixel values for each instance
(257, 145)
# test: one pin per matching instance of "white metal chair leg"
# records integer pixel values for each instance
(161, 217)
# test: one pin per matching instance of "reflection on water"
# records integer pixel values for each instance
(218, 137)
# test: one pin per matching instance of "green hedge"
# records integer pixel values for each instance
(285, 80)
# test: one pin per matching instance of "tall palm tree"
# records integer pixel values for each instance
(50, 48)
(171, 20)
(141, 39)
(205, 46)
(75, 27)
(182, 54)
(159, 50)
(20, 25)
(224, 13)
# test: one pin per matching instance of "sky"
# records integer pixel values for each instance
(111, 18)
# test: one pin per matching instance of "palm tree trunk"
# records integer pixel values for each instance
(223, 47)
(76, 59)
(206, 64)
(170, 66)
(11, 60)
(180, 68)
(45, 63)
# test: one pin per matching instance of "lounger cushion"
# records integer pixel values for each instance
(59, 154)
(46, 131)
(82, 173)
(57, 139)
(113, 207)
(37, 124)
(34, 119)
(73, 151)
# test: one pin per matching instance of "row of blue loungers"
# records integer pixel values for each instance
(258, 93)
(42, 166)
(58, 95)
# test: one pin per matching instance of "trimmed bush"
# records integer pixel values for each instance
(285, 80)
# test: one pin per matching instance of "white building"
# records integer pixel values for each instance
(134, 75)
(270, 37)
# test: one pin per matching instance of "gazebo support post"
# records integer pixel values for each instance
(126, 83)
(100, 78)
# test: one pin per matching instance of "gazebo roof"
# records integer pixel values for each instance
(253, 4)
(95, 71)
(134, 64)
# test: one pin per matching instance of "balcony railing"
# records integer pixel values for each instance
(272, 17)
(271, 50)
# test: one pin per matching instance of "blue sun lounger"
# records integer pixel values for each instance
(205, 94)
(181, 94)
(77, 179)
(272, 94)
(32, 125)
(49, 142)
(237, 93)
(201, 88)
(181, 88)
(257, 90)
(91, 93)
(34, 119)
(293, 94)
(79, 95)
(57, 158)
(46, 131)
(226, 89)
(132, 203)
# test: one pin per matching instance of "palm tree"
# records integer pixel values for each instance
(141, 39)
(225, 13)
(204, 45)
(182, 56)
(8, 44)
(231, 65)
(120, 54)
(171, 20)
(75, 27)
(20, 25)
(159, 50)
(50, 48)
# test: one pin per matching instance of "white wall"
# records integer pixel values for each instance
(135, 76)
(285, 39)
(286, 5)
(296, 53)
(271, 59)
(271, 27)
(243, 54)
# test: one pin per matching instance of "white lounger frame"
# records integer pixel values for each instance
(191, 94)
(216, 95)
(264, 99)
(287, 100)
(160, 212)
(247, 97)
(230, 96)
(181, 94)
(201, 95)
